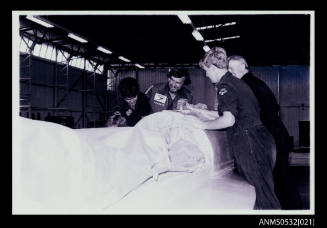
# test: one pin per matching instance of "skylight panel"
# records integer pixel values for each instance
(49, 53)
(37, 50)
(23, 47)
(60, 57)
(99, 70)
(43, 51)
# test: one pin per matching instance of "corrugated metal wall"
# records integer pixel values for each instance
(292, 92)
(290, 84)
(269, 75)
(294, 97)
(42, 73)
(126, 74)
(147, 78)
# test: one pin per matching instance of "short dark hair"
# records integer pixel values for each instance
(128, 87)
(179, 73)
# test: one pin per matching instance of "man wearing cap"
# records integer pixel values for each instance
(165, 96)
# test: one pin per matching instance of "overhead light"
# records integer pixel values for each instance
(208, 27)
(206, 48)
(139, 66)
(215, 26)
(73, 36)
(39, 21)
(124, 59)
(197, 35)
(231, 23)
(184, 18)
(223, 38)
(208, 41)
(104, 50)
(231, 37)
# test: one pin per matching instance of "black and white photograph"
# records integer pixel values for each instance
(163, 112)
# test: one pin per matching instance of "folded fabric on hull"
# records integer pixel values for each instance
(89, 171)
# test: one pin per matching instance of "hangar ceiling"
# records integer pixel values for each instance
(154, 40)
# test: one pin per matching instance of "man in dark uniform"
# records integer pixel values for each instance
(284, 186)
(132, 106)
(250, 142)
(165, 96)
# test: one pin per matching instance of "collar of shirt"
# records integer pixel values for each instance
(172, 102)
(248, 74)
(225, 77)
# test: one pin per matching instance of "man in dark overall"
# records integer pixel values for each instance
(251, 144)
(165, 96)
(284, 185)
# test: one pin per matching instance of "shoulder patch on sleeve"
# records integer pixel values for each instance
(222, 91)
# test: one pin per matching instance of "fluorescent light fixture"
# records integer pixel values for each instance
(231, 23)
(197, 35)
(206, 48)
(124, 59)
(223, 38)
(104, 50)
(208, 41)
(139, 66)
(216, 26)
(208, 27)
(184, 18)
(73, 36)
(39, 21)
(231, 37)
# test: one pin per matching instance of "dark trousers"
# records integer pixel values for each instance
(285, 187)
(252, 150)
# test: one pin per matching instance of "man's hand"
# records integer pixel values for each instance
(122, 122)
(201, 106)
(129, 112)
(116, 120)
(198, 106)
